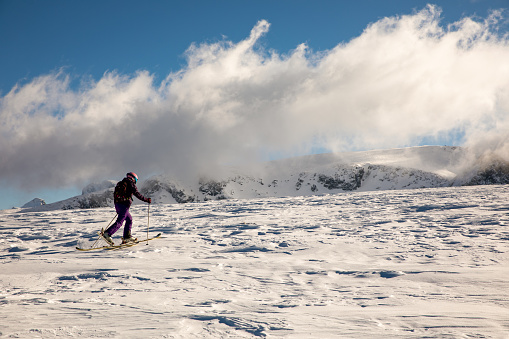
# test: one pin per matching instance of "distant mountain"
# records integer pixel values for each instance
(96, 187)
(394, 169)
(34, 203)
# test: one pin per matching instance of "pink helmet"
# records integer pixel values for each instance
(132, 175)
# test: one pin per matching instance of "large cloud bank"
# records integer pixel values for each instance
(404, 79)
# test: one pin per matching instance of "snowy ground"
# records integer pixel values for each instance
(430, 263)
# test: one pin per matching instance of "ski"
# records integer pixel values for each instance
(117, 247)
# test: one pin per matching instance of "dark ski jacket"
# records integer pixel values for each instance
(131, 190)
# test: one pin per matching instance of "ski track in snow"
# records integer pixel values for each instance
(427, 263)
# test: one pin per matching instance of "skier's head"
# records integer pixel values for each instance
(133, 176)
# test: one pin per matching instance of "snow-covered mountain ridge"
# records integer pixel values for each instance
(395, 169)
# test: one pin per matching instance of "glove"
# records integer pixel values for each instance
(149, 200)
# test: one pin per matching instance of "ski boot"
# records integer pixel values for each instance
(129, 240)
(107, 237)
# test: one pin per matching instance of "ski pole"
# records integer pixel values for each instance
(148, 221)
(106, 228)
(116, 214)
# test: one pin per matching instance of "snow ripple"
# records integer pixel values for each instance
(399, 264)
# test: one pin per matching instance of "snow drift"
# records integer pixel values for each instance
(406, 264)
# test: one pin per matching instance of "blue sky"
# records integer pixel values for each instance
(107, 50)
(92, 37)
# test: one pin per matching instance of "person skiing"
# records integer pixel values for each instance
(122, 197)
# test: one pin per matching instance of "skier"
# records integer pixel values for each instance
(123, 198)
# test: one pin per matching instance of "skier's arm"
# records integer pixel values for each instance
(138, 195)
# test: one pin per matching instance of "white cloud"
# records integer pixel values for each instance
(403, 79)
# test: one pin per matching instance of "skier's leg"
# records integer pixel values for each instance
(122, 211)
(128, 224)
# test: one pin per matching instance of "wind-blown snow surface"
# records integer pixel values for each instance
(423, 263)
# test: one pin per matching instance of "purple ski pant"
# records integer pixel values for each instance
(123, 215)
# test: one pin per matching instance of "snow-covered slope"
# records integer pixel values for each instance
(406, 168)
(406, 264)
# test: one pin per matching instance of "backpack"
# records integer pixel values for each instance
(121, 192)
